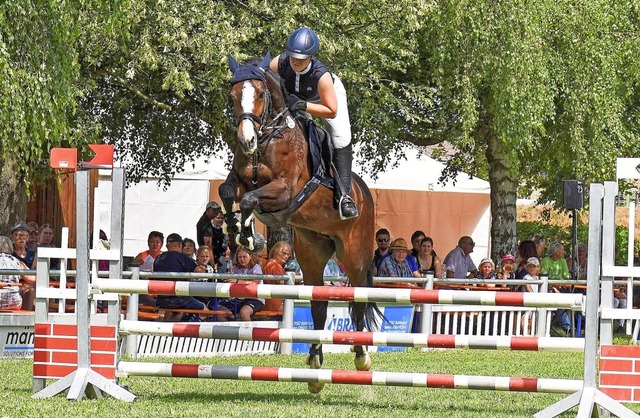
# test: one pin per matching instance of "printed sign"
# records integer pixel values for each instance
(398, 319)
(17, 342)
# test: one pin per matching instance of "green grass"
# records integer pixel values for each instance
(164, 397)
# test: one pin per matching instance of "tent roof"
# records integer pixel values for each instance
(417, 172)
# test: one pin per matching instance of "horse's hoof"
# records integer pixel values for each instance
(363, 363)
(315, 387)
(313, 361)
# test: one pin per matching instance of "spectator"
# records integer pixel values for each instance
(16, 292)
(581, 271)
(382, 241)
(243, 263)
(540, 244)
(416, 239)
(458, 262)
(397, 265)
(203, 257)
(278, 257)
(533, 268)
(146, 258)
(486, 271)
(189, 248)
(219, 243)
(507, 264)
(208, 234)
(45, 239)
(19, 238)
(175, 261)
(526, 250)
(555, 267)
(32, 242)
(427, 258)
(334, 268)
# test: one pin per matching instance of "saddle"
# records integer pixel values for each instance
(320, 152)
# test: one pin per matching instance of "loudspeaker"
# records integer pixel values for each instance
(573, 194)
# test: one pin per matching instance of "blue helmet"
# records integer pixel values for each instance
(302, 43)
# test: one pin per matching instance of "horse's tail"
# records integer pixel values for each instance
(372, 314)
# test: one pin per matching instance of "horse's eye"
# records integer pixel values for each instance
(261, 95)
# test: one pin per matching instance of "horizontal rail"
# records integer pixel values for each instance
(329, 293)
(224, 332)
(282, 374)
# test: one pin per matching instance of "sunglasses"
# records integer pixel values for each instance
(383, 239)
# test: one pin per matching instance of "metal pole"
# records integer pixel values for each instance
(132, 314)
(542, 312)
(287, 314)
(427, 308)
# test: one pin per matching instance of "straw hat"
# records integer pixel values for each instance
(399, 244)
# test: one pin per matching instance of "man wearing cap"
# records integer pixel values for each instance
(175, 261)
(397, 265)
(458, 261)
(204, 227)
(19, 237)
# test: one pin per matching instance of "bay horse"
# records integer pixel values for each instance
(270, 177)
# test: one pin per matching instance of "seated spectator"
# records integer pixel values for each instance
(147, 258)
(458, 262)
(526, 250)
(16, 292)
(555, 267)
(507, 269)
(45, 239)
(427, 259)
(203, 257)
(397, 265)
(416, 239)
(278, 257)
(533, 268)
(382, 241)
(243, 263)
(486, 271)
(189, 247)
(32, 242)
(540, 243)
(175, 261)
(19, 238)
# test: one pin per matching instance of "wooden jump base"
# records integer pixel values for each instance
(351, 337)
(346, 294)
(282, 374)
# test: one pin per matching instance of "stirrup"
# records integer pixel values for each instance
(347, 208)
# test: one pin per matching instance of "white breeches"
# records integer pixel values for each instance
(339, 127)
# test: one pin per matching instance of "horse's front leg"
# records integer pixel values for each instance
(315, 357)
(362, 360)
(228, 192)
(270, 197)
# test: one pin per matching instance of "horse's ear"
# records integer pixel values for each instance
(233, 64)
(265, 61)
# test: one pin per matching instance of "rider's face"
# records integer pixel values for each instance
(299, 64)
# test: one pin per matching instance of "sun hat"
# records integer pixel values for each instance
(533, 261)
(508, 257)
(399, 244)
(487, 260)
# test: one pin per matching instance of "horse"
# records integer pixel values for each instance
(271, 178)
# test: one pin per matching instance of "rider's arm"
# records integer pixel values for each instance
(328, 108)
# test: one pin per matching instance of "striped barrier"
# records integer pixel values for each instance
(347, 294)
(223, 332)
(282, 374)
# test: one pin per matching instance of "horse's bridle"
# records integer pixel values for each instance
(264, 125)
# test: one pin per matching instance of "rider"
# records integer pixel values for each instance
(315, 90)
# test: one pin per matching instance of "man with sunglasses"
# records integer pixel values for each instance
(382, 241)
(458, 261)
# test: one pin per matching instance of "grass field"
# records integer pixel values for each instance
(170, 397)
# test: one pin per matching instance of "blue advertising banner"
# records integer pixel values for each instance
(399, 319)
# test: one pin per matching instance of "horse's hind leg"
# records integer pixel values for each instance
(313, 250)
(362, 360)
(227, 192)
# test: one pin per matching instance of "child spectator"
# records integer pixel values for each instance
(189, 247)
(533, 269)
(508, 264)
(243, 263)
(278, 257)
(486, 271)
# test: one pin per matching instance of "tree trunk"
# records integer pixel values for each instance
(503, 200)
(13, 196)
(279, 233)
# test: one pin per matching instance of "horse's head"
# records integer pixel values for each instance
(251, 101)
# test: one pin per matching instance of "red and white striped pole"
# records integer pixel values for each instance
(223, 332)
(282, 374)
(348, 294)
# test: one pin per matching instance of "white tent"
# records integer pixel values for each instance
(407, 198)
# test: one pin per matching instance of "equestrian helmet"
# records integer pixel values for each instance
(302, 43)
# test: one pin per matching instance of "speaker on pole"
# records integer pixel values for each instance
(573, 194)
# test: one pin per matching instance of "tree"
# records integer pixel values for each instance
(38, 95)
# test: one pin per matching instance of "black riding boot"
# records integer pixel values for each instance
(342, 158)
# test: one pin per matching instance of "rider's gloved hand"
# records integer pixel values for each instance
(294, 103)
